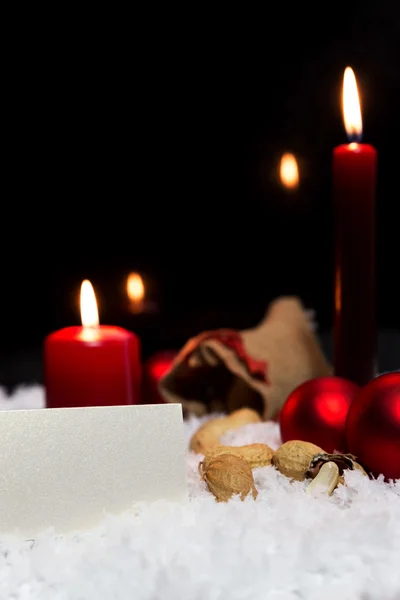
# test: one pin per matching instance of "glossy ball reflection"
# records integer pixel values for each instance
(154, 370)
(316, 412)
(373, 426)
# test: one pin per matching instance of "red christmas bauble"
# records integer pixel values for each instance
(316, 412)
(154, 369)
(373, 426)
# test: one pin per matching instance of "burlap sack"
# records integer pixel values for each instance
(224, 370)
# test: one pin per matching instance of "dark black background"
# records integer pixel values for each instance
(152, 144)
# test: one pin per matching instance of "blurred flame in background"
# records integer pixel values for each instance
(289, 171)
(136, 291)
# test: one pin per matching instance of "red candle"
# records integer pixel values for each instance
(92, 365)
(354, 176)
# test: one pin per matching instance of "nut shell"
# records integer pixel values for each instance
(256, 455)
(343, 461)
(293, 458)
(208, 435)
(227, 475)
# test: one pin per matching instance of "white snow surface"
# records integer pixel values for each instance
(285, 545)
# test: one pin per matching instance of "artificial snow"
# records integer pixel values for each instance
(284, 545)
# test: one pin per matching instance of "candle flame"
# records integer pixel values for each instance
(89, 312)
(135, 287)
(289, 171)
(351, 106)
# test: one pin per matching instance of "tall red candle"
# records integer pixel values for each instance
(354, 176)
(92, 365)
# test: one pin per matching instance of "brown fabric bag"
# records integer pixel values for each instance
(223, 370)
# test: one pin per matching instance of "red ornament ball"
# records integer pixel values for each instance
(316, 412)
(373, 426)
(154, 370)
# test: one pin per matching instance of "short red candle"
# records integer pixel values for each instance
(355, 330)
(94, 365)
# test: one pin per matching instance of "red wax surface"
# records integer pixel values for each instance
(355, 331)
(92, 367)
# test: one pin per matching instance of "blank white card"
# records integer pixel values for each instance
(66, 468)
